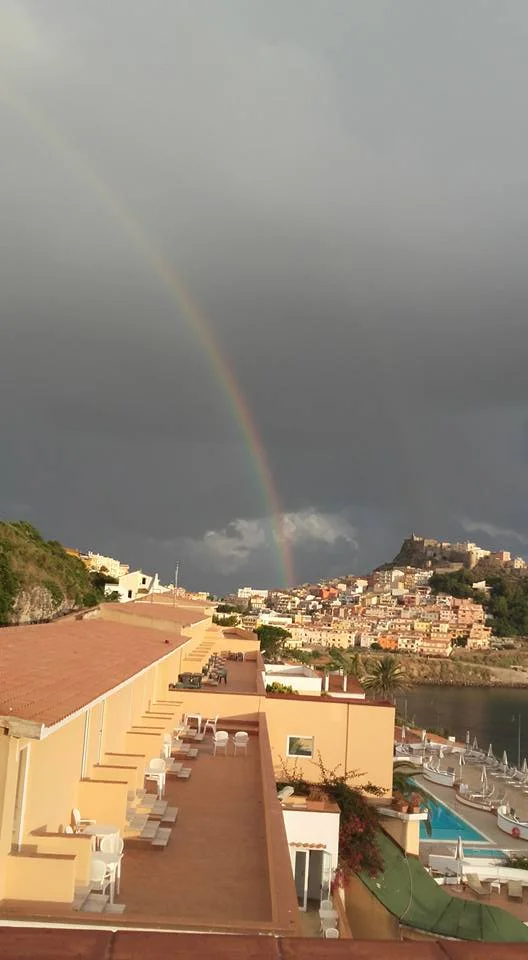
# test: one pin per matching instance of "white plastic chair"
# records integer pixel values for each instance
(220, 741)
(68, 829)
(326, 905)
(210, 724)
(240, 741)
(115, 845)
(166, 749)
(285, 793)
(100, 876)
(78, 822)
(156, 772)
(332, 933)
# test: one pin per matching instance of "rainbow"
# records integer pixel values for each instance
(180, 296)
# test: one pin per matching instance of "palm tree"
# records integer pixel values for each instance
(385, 678)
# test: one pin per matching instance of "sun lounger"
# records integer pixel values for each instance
(515, 890)
(475, 885)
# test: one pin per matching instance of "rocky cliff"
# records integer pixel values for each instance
(39, 581)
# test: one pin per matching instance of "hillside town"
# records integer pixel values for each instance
(394, 608)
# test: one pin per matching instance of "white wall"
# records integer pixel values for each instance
(307, 826)
(293, 677)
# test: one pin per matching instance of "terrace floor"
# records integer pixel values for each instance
(214, 870)
(241, 678)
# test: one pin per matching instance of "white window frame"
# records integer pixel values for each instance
(300, 736)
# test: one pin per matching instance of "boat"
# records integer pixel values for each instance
(509, 823)
(476, 801)
(444, 778)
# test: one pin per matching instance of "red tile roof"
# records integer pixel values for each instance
(50, 944)
(184, 615)
(51, 670)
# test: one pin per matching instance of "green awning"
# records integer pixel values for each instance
(412, 895)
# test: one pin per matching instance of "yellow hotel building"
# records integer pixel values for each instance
(85, 705)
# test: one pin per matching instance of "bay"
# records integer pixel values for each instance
(490, 714)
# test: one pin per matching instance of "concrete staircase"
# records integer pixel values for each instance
(145, 819)
(87, 902)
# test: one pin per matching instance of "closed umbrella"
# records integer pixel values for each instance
(484, 779)
(459, 857)
(474, 745)
(468, 738)
(403, 732)
(505, 759)
(490, 752)
(524, 768)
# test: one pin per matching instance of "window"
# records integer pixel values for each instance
(300, 746)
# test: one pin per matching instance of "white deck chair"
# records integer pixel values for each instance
(220, 741)
(115, 845)
(240, 741)
(156, 772)
(79, 823)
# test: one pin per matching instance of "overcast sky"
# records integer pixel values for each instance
(343, 188)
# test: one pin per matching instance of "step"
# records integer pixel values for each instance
(173, 767)
(150, 830)
(184, 773)
(95, 903)
(80, 897)
(114, 908)
(162, 837)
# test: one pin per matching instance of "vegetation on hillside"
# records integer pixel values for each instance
(28, 561)
(507, 603)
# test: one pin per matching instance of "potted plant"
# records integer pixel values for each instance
(414, 803)
(399, 802)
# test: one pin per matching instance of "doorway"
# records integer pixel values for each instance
(312, 870)
(20, 796)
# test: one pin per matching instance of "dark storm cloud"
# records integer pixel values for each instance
(344, 191)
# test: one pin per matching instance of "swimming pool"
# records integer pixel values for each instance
(447, 825)
(484, 852)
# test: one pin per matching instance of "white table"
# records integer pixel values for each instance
(495, 885)
(194, 716)
(98, 830)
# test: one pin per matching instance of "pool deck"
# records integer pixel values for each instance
(485, 823)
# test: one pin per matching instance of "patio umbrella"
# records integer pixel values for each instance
(474, 745)
(524, 768)
(490, 752)
(505, 759)
(468, 737)
(484, 779)
(459, 857)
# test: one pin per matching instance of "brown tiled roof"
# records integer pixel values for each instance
(49, 944)
(49, 671)
(184, 615)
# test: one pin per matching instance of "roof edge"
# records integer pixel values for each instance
(23, 729)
